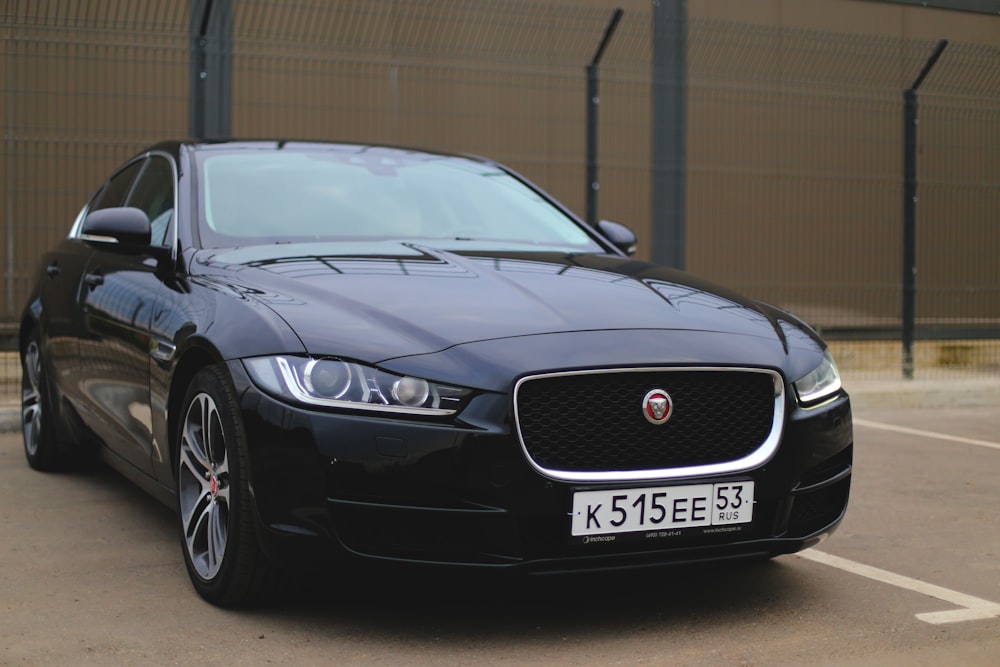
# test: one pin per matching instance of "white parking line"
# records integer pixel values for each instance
(926, 434)
(973, 608)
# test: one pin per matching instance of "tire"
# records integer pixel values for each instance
(215, 512)
(41, 447)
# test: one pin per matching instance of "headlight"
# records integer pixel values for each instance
(822, 382)
(335, 383)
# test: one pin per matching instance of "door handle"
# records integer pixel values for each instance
(93, 280)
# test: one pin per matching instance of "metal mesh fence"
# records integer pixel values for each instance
(791, 159)
(795, 186)
(502, 79)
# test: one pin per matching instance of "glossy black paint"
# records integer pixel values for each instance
(463, 495)
(123, 329)
(122, 225)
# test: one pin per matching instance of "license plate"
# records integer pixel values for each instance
(662, 508)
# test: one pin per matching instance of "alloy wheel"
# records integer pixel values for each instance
(31, 398)
(204, 486)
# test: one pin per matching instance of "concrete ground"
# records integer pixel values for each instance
(91, 573)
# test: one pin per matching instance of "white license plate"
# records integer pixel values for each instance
(662, 508)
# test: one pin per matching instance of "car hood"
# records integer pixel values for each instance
(383, 301)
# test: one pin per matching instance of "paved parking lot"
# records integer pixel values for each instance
(91, 572)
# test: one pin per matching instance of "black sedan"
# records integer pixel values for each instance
(325, 353)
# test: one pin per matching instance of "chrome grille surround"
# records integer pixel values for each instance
(758, 456)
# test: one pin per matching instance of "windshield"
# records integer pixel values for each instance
(358, 193)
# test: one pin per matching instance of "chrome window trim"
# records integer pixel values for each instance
(756, 458)
(74, 231)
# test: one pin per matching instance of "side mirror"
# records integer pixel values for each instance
(122, 225)
(620, 236)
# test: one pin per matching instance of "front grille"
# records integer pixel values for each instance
(594, 422)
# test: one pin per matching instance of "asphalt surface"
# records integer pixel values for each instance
(91, 573)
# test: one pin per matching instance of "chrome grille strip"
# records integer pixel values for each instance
(758, 457)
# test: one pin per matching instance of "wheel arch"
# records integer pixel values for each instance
(67, 435)
(197, 356)
(30, 320)
(244, 573)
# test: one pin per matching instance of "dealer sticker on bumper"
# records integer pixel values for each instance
(662, 508)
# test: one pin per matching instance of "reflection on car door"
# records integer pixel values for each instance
(117, 299)
(58, 293)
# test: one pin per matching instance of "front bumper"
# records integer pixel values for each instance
(329, 485)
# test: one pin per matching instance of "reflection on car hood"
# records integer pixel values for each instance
(380, 301)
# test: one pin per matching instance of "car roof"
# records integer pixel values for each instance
(173, 147)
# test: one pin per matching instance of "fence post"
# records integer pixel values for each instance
(211, 69)
(910, 209)
(669, 133)
(593, 100)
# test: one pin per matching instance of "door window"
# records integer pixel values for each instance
(154, 194)
(117, 187)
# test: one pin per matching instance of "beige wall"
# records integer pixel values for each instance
(866, 17)
(78, 98)
(794, 124)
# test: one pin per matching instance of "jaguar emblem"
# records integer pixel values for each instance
(657, 406)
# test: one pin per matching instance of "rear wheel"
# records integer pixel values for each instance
(40, 445)
(221, 551)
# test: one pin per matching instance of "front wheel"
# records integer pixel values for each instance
(215, 510)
